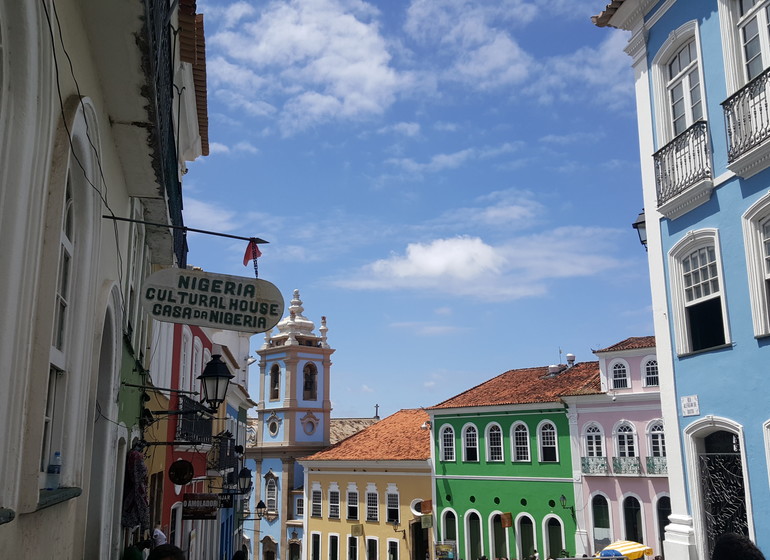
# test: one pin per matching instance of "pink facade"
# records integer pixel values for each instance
(619, 451)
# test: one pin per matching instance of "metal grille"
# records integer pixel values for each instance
(657, 465)
(372, 509)
(724, 502)
(626, 465)
(334, 504)
(683, 162)
(594, 465)
(195, 424)
(747, 116)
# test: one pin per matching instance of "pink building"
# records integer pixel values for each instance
(619, 451)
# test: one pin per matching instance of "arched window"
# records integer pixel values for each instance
(594, 441)
(756, 242)
(663, 510)
(275, 382)
(601, 512)
(470, 444)
(547, 437)
(310, 382)
(474, 536)
(632, 518)
(450, 526)
(271, 493)
(651, 373)
(494, 443)
(555, 541)
(447, 443)
(657, 440)
(626, 441)
(520, 442)
(620, 376)
(499, 549)
(526, 537)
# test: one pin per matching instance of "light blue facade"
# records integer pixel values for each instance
(706, 179)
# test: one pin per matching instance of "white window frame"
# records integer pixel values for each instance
(299, 507)
(352, 503)
(732, 45)
(646, 364)
(393, 544)
(447, 452)
(466, 430)
(656, 430)
(316, 538)
(329, 546)
(316, 501)
(540, 441)
(759, 281)
(354, 548)
(628, 431)
(334, 505)
(692, 241)
(372, 503)
(515, 447)
(598, 434)
(491, 448)
(616, 365)
(376, 542)
(392, 492)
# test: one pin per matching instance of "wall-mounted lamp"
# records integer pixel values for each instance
(563, 502)
(397, 530)
(425, 425)
(640, 225)
(244, 481)
(214, 381)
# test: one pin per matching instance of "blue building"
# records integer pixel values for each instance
(702, 76)
(293, 420)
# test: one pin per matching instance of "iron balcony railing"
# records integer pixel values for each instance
(626, 465)
(747, 116)
(222, 456)
(194, 423)
(595, 465)
(683, 162)
(657, 465)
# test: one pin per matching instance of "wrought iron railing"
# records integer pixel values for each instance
(626, 465)
(194, 423)
(222, 455)
(657, 465)
(747, 116)
(595, 465)
(683, 162)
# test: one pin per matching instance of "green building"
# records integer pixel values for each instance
(503, 472)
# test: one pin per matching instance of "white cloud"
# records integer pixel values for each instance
(502, 209)
(406, 128)
(366, 389)
(467, 266)
(206, 215)
(218, 148)
(573, 138)
(242, 147)
(246, 147)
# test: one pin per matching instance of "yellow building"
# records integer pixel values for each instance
(364, 496)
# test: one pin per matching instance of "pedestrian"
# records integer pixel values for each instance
(158, 536)
(166, 552)
(732, 546)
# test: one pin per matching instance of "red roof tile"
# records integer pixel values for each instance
(631, 343)
(398, 437)
(529, 385)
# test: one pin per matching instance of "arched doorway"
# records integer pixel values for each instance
(499, 548)
(269, 549)
(473, 536)
(663, 510)
(632, 519)
(554, 541)
(526, 531)
(601, 513)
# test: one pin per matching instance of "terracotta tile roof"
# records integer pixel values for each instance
(395, 438)
(603, 19)
(341, 428)
(192, 49)
(631, 343)
(529, 385)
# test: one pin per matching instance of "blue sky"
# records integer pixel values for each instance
(450, 182)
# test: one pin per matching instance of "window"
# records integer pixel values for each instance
(393, 507)
(352, 548)
(315, 547)
(334, 503)
(334, 547)
(300, 508)
(352, 503)
(684, 91)
(310, 382)
(547, 434)
(372, 505)
(275, 382)
(602, 531)
(392, 550)
(756, 237)
(470, 444)
(625, 441)
(651, 373)
(632, 516)
(520, 442)
(371, 549)
(619, 376)
(271, 494)
(699, 314)
(494, 443)
(447, 443)
(754, 37)
(657, 440)
(315, 503)
(594, 441)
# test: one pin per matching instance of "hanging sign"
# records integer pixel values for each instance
(205, 299)
(225, 501)
(200, 506)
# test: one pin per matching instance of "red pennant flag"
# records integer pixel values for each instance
(252, 250)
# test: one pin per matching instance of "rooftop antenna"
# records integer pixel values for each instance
(376, 411)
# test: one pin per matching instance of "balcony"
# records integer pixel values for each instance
(595, 465)
(222, 456)
(626, 465)
(657, 465)
(194, 425)
(747, 122)
(683, 172)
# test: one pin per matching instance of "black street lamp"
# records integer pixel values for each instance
(563, 502)
(244, 480)
(640, 225)
(214, 381)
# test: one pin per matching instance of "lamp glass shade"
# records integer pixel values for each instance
(214, 381)
(640, 225)
(244, 479)
(563, 500)
(261, 509)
